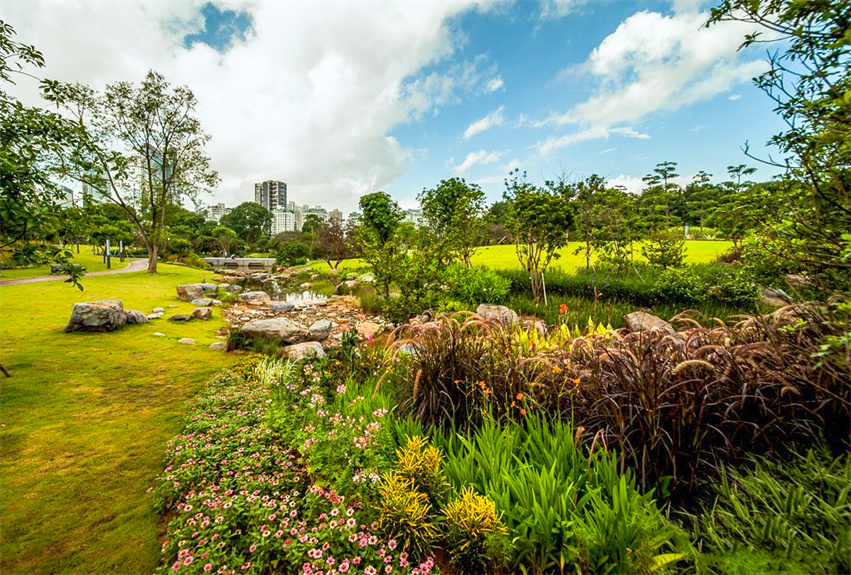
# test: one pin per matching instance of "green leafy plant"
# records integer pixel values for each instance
(421, 464)
(475, 535)
(405, 515)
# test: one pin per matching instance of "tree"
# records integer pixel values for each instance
(539, 219)
(453, 212)
(617, 227)
(586, 196)
(32, 141)
(249, 220)
(661, 198)
(380, 216)
(142, 147)
(226, 238)
(809, 83)
(700, 199)
(334, 244)
(736, 211)
(292, 253)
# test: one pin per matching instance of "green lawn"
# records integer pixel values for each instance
(503, 257)
(86, 418)
(86, 257)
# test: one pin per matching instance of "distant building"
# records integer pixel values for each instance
(285, 221)
(413, 216)
(335, 217)
(271, 195)
(215, 213)
(354, 218)
(317, 211)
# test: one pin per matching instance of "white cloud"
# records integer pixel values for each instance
(554, 9)
(303, 98)
(631, 184)
(495, 118)
(495, 84)
(608, 150)
(654, 63)
(735, 97)
(473, 158)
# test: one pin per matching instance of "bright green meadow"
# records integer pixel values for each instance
(86, 418)
(86, 257)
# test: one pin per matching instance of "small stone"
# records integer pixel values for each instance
(256, 298)
(281, 306)
(304, 350)
(306, 285)
(180, 317)
(320, 330)
(135, 316)
(151, 316)
(232, 288)
(160, 310)
(641, 321)
(158, 334)
(202, 302)
(186, 340)
(172, 306)
(219, 345)
(203, 313)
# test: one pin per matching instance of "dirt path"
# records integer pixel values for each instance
(133, 266)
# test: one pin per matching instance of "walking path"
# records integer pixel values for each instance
(133, 266)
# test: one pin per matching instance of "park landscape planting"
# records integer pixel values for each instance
(564, 382)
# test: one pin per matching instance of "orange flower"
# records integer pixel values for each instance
(522, 412)
(577, 381)
(562, 309)
(519, 396)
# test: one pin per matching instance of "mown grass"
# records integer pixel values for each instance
(504, 257)
(86, 418)
(86, 257)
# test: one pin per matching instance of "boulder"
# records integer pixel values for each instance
(219, 345)
(233, 288)
(281, 306)
(186, 340)
(368, 329)
(642, 321)
(506, 316)
(202, 313)
(285, 330)
(320, 330)
(775, 297)
(189, 292)
(135, 316)
(310, 349)
(180, 317)
(102, 315)
(202, 302)
(256, 298)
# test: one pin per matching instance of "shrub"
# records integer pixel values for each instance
(792, 516)
(679, 286)
(665, 249)
(734, 287)
(422, 464)
(477, 285)
(475, 535)
(405, 515)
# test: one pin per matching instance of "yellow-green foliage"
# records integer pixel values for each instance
(422, 464)
(475, 533)
(404, 515)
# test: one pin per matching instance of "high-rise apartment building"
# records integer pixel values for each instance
(271, 195)
(215, 213)
(335, 217)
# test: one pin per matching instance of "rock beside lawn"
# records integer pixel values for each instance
(135, 316)
(202, 313)
(506, 316)
(189, 292)
(180, 317)
(284, 330)
(643, 321)
(255, 298)
(102, 315)
(310, 349)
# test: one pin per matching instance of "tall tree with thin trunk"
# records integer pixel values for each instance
(144, 149)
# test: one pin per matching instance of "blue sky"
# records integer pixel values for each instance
(340, 99)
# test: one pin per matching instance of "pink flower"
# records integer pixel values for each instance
(356, 560)
(246, 566)
(391, 544)
(176, 566)
(388, 568)
(343, 567)
(252, 549)
(370, 570)
(188, 560)
(208, 567)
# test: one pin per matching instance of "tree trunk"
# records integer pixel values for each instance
(152, 258)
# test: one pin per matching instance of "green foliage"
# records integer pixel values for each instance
(380, 217)
(665, 248)
(477, 285)
(734, 287)
(421, 463)
(792, 516)
(249, 220)
(453, 212)
(405, 515)
(565, 509)
(680, 285)
(475, 535)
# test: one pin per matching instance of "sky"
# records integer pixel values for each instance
(341, 99)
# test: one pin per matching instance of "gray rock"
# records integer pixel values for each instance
(775, 294)
(186, 340)
(306, 285)
(216, 302)
(285, 330)
(159, 310)
(151, 316)
(281, 306)
(506, 316)
(189, 292)
(204, 313)
(172, 306)
(256, 298)
(320, 330)
(219, 345)
(135, 316)
(642, 321)
(180, 317)
(158, 334)
(102, 315)
(224, 285)
(202, 302)
(233, 288)
(310, 349)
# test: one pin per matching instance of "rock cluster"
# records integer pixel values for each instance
(189, 292)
